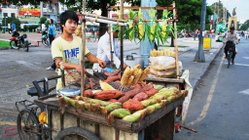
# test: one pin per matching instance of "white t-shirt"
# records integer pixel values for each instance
(43, 27)
(104, 53)
(70, 52)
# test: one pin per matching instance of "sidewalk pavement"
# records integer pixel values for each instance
(197, 69)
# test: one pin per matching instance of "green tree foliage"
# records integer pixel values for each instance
(11, 20)
(92, 5)
(245, 26)
(218, 9)
(42, 20)
(188, 11)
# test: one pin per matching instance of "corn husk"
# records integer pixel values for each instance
(125, 77)
(144, 74)
(105, 85)
(136, 116)
(158, 87)
(111, 107)
(153, 107)
(95, 101)
(69, 101)
(148, 102)
(84, 106)
(130, 81)
(118, 113)
(137, 76)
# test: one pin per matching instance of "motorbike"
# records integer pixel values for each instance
(45, 39)
(230, 47)
(17, 41)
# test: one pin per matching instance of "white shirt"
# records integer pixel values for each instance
(22, 26)
(231, 37)
(104, 52)
(43, 27)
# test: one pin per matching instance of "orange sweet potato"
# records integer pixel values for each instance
(151, 92)
(133, 105)
(108, 94)
(88, 93)
(140, 96)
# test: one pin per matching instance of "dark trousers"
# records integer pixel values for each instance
(51, 38)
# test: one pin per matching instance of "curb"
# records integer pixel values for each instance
(205, 72)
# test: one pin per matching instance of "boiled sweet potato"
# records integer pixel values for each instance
(108, 94)
(113, 78)
(88, 93)
(133, 105)
(151, 92)
(140, 96)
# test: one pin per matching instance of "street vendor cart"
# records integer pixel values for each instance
(158, 125)
(139, 108)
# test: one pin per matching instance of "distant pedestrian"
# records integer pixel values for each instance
(43, 27)
(13, 27)
(9, 28)
(51, 35)
(22, 27)
(197, 33)
(51, 30)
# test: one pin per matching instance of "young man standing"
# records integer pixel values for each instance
(66, 49)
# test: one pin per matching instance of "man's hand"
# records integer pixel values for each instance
(78, 68)
(102, 64)
(124, 66)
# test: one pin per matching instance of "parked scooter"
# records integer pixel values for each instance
(17, 41)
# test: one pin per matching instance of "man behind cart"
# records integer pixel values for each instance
(107, 53)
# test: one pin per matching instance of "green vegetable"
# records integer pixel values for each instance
(153, 107)
(138, 115)
(120, 113)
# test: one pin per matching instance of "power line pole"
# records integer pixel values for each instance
(146, 45)
(199, 57)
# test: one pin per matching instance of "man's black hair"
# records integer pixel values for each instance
(232, 28)
(68, 15)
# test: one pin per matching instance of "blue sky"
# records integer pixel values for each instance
(241, 10)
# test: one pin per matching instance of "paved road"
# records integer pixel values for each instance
(219, 108)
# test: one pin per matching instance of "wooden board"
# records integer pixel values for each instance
(117, 123)
(165, 80)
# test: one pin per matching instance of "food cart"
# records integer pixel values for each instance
(158, 124)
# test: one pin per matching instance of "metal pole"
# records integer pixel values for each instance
(121, 37)
(172, 37)
(5, 24)
(199, 57)
(83, 49)
(41, 7)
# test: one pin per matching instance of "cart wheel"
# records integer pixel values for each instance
(76, 133)
(28, 126)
